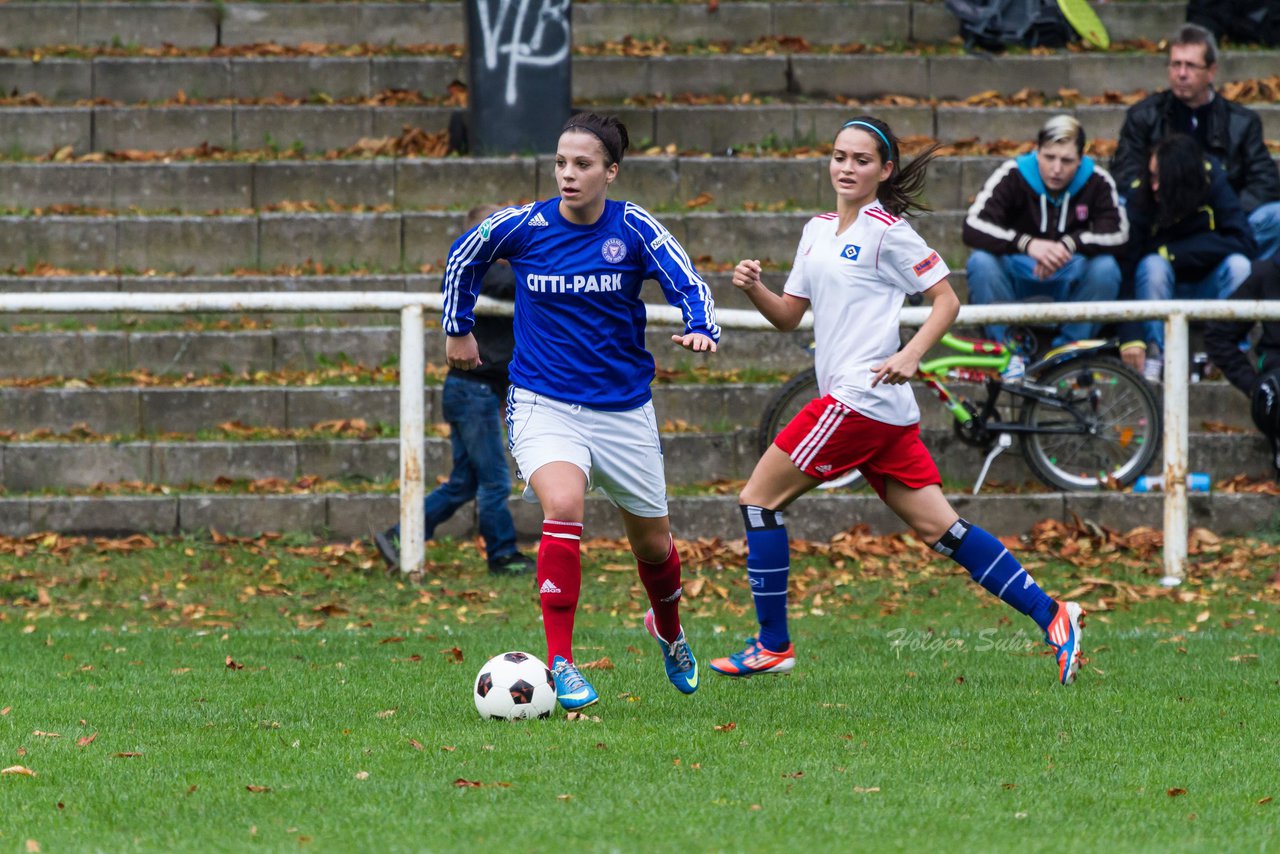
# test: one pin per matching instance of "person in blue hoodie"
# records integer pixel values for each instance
(1191, 239)
(1047, 223)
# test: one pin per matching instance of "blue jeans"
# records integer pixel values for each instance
(1011, 278)
(1154, 279)
(474, 413)
(1265, 222)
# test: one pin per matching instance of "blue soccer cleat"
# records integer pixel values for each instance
(682, 667)
(756, 659)
(1063, 635)
(572, 690)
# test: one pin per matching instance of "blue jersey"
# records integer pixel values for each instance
(579, 320)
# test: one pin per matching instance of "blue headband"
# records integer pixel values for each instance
(887, 146)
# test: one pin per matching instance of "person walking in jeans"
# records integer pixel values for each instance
(473, 402)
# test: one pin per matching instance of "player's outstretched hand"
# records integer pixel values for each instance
(747, 274)
(462, 352)
(695, 341)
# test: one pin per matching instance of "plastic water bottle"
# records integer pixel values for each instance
(1197, 481)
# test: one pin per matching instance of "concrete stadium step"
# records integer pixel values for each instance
(64, 80)
(153, 411)
(148, 411)
(712, 129)
(660, 183)
(378, 242)
(787, 123)
(29, 24)
(813, 517)
(723, 291)
(207, 353)
(690, 458)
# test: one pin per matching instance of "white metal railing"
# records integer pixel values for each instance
(412, 306)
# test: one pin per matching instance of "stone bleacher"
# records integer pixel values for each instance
(192, 224)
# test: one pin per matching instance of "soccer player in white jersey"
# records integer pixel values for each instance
(580, 413)
(855, 266)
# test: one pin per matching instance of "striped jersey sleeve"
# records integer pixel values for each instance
(666, 261)
(470, 258)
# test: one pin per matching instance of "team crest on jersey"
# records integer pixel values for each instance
(851, 252)
(486, 228)
(1082, 213)
(613, 250)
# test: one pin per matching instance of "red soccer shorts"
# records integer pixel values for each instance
(827, 438)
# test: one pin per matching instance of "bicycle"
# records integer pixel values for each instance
(1084, 420)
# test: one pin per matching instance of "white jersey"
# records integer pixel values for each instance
(856, 283)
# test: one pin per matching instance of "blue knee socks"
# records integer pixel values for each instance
(991, 565)
(768, 564)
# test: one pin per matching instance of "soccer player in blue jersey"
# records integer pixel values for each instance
(855, 266)
(579, 413)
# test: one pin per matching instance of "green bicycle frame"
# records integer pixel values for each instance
(975, 355)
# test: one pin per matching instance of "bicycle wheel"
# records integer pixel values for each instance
(785, 404)
(1122, 420)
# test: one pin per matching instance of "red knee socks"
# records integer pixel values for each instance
(662, 583)
(559, 582)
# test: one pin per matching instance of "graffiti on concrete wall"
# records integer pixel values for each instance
(523, 33)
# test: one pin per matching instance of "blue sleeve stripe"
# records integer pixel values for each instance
(677, 254)
(463, 254)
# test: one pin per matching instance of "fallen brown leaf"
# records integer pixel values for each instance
(18, 769)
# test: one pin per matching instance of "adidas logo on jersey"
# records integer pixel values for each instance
(539, 221)
(548, 587)
(822, 469)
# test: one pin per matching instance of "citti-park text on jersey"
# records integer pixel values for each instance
(574, 284)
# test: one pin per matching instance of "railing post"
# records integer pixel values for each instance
(412, 439)
(1176, 361)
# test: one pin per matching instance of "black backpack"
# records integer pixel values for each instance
(1241, 21)
(994, 24)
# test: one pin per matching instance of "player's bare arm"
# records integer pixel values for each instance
(902, 365)
(783, 311)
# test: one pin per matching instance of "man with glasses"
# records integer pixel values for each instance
(1230, 132)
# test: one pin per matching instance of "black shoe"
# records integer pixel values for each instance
(512, 564)
(388, 545)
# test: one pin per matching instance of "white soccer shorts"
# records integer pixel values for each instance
(619, 452)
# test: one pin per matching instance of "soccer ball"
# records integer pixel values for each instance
(514, 686)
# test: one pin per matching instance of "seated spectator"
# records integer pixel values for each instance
(1259, 376)
(1227, 131)
(1047, 223)
(1190, 240)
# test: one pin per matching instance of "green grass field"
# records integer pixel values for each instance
(194, 695)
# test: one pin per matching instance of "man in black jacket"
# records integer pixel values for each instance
(1227, 131)
(1257, 376)
(1190, 239)
(1047, 223)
